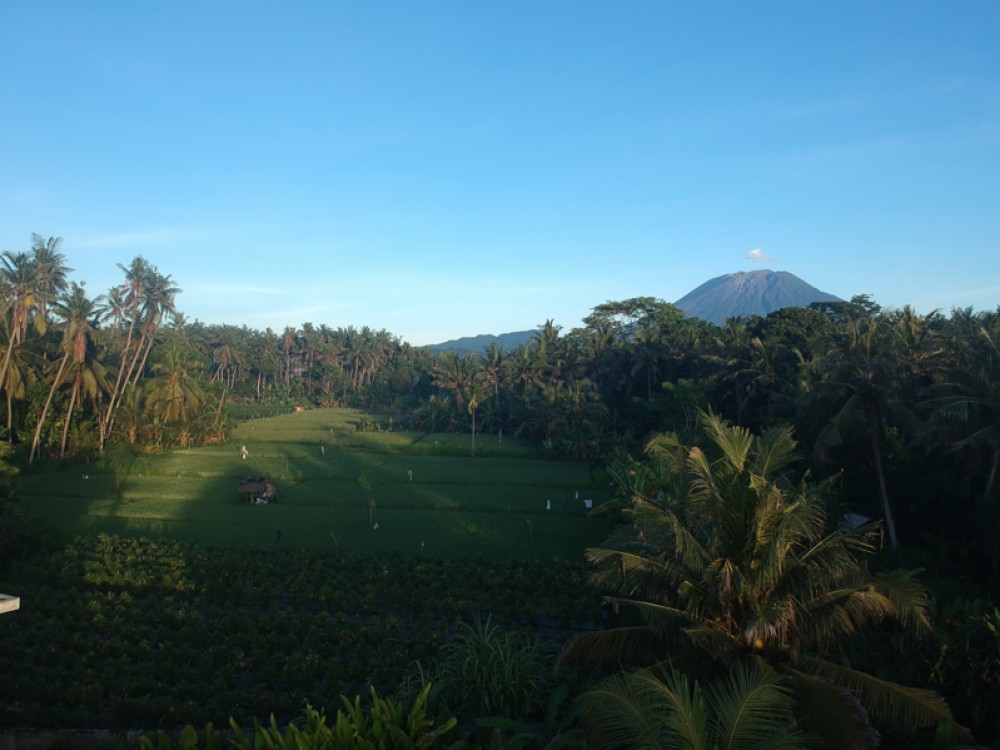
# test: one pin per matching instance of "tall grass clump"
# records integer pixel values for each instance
(485, 671)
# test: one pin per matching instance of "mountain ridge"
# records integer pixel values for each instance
(749, 293)
(742, 293)
(476, 344)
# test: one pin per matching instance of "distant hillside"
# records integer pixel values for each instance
(741, 293)
(476, 344)
(749, 293)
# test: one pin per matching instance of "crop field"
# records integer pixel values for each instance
(340, 489)
(173, 601)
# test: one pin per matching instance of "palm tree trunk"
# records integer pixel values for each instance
(45, 409)
(875, 435)
(145, 356)
(104, 424)
(3, 379)
(6, 359)
(218, 412)
(991, 477)
(121, 383)
(131, 374)
(69, 415)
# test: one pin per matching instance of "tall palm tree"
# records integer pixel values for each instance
(267, 363)
(289, 341)
(965, 412)
(454, 372)
(117, 306)
(742, 560)
(491, 374)
(126, 299)
(29, 281)
(21, 375)
(159, 303)
(78, 315)
(866, 372)
(757, 371)
(88, 382)
(174, 394)
(548, 350)
(50, 273)
(151, 297)
(648, 353)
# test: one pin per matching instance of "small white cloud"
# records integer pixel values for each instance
(759, 256)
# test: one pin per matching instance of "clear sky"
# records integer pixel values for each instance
(443, 169)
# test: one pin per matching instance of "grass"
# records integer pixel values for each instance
(431, 496)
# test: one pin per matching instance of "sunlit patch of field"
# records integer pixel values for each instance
(339, 489)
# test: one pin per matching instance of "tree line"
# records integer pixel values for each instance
(902, 408)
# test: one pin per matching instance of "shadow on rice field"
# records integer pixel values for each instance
(345, 483)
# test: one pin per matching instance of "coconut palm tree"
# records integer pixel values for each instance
(78, 315)
(117, 306)
(50, 273)
(289, 343)
(965, 413)
(491, 368)
(743, 563)
(755, 369)
(174, 394)
(150, 296)
(29, 281)
(88, 382)
(548, 350)
(21, 375)
(865, 373)
(159, 303)
(454, 372)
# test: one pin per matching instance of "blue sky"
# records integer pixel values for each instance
(442, 169)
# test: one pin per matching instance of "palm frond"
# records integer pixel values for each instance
(703, 480)
(630, 572)
(753, 709)
(988, 436)
(637, 710)
(721, 645)
(658, 616)
(616, 647)
(850, 413)
(886, 701)
(733, 441)
(774, 451)
(665, 529)
(846, 610)
(832, 712)
(908, 596)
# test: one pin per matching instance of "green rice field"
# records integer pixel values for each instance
(346, 483)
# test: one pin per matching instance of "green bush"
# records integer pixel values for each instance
(384, 725)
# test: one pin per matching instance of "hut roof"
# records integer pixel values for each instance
(254, 485)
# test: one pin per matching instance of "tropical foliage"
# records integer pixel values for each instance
(745, 561)
(746, 709)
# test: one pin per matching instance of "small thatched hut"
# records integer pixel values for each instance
(259, 490)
